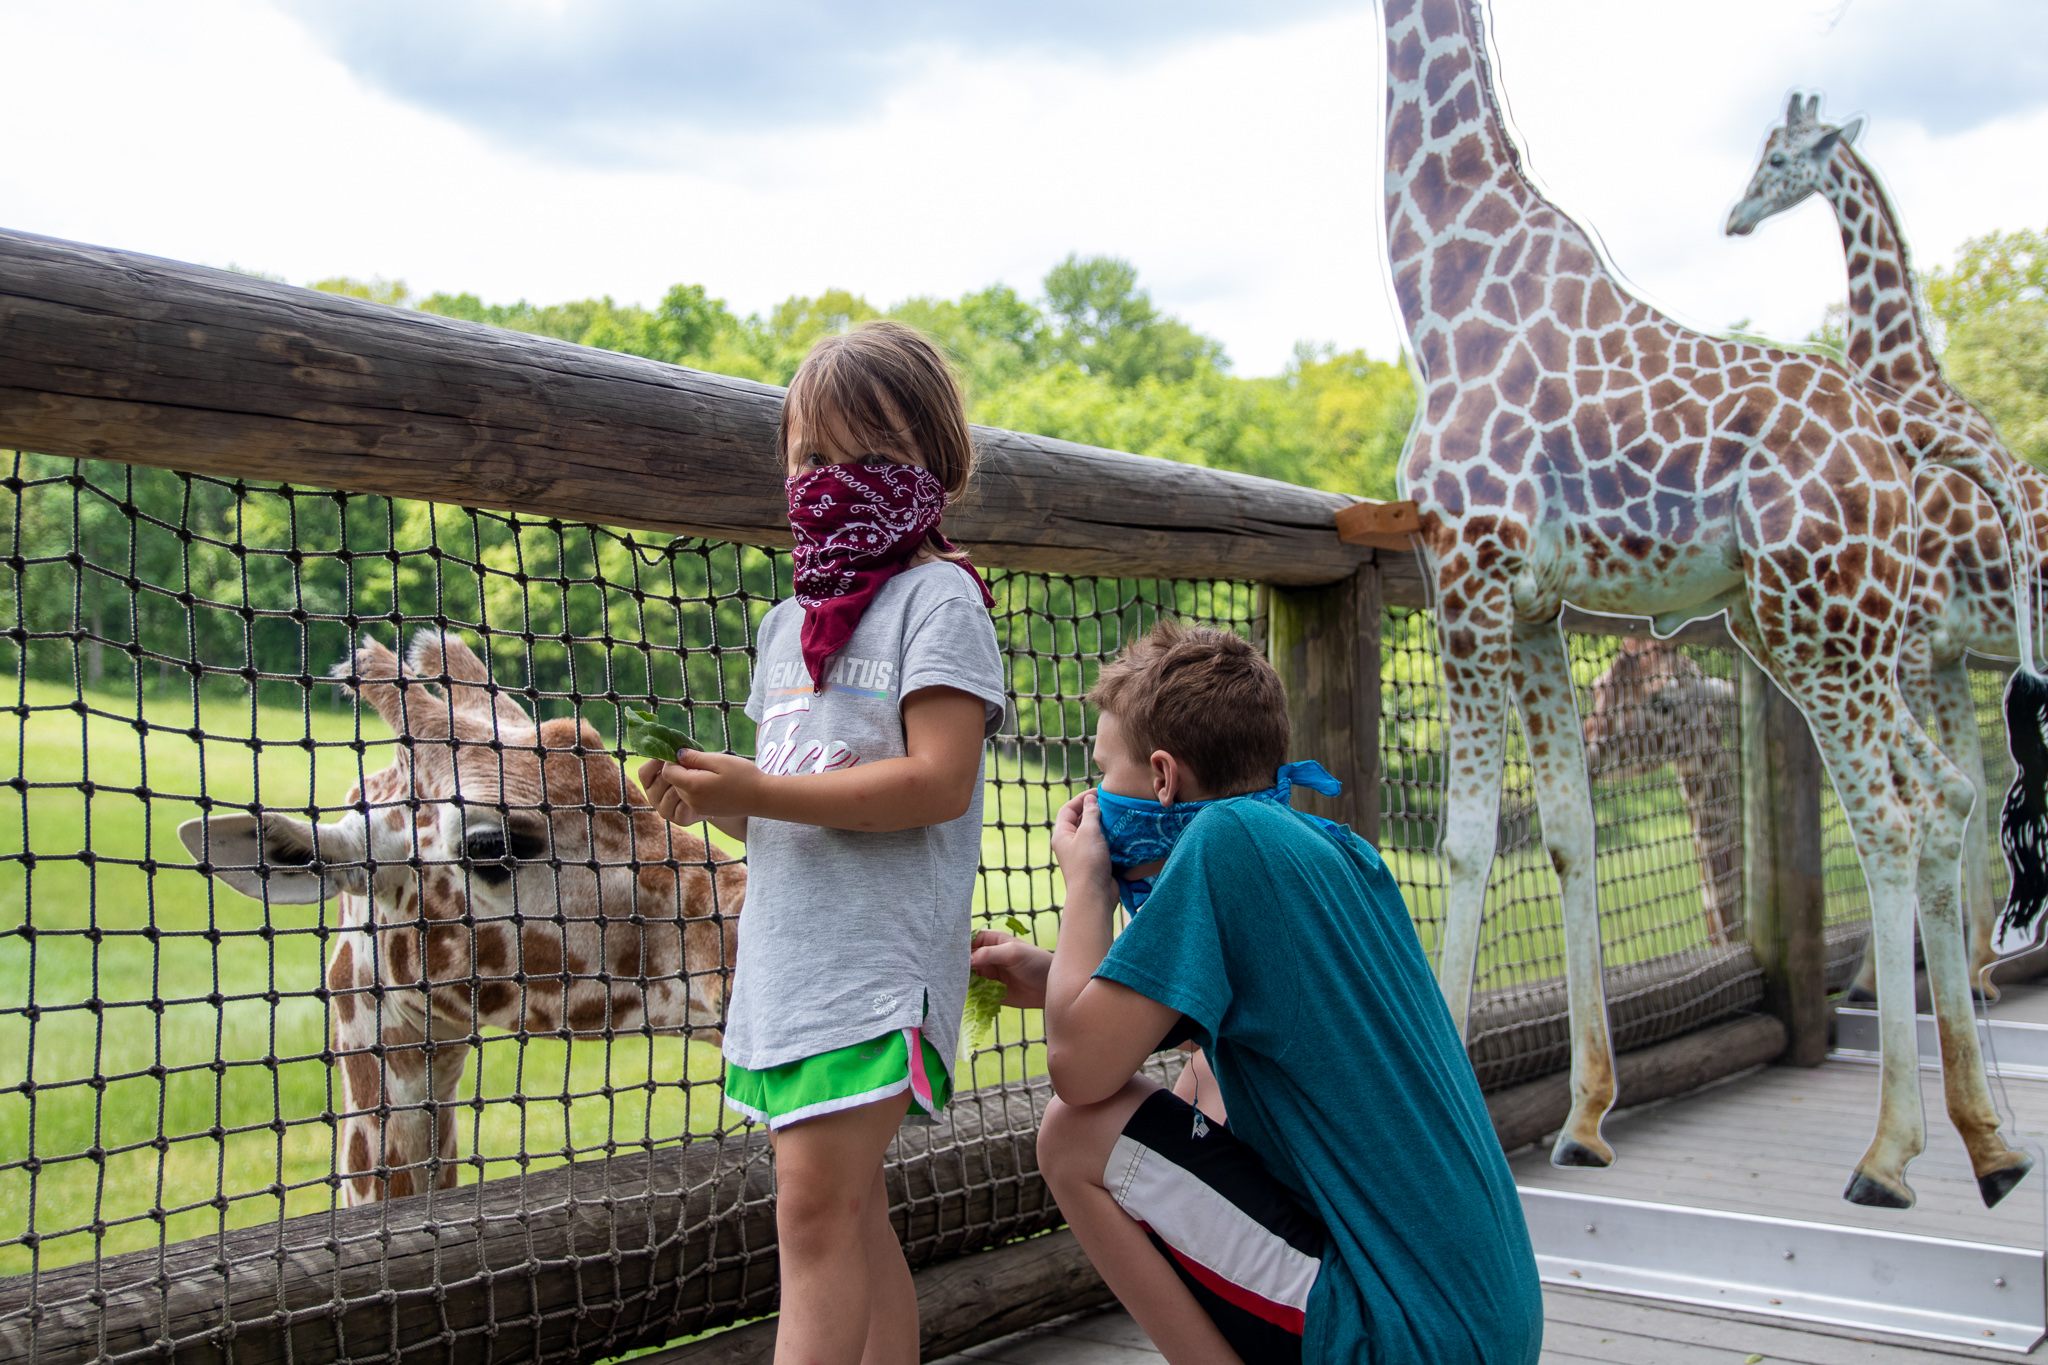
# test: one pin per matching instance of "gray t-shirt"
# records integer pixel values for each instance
(845, 934)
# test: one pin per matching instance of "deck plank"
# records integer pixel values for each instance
(1570, 1311)
(1782, 1141)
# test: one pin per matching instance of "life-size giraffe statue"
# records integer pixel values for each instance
(1654, 706)
(1573, 444)
(1965, 599)
(497, 873)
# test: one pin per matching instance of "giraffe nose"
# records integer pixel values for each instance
(1742, 219)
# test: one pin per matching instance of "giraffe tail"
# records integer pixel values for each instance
(2023, 823)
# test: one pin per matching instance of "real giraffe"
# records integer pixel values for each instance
(497, 874)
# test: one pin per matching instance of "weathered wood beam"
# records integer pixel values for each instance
(1524, 1113)
(960, 1304)
(1325, 644)
(1783, 863)
(575, 1263)
(111, 355)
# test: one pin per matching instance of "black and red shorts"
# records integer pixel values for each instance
(1242, 1242)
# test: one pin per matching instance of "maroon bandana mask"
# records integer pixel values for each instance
(856, 527)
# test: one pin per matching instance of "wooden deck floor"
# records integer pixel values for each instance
(1779, 1141)
(1578, 1327)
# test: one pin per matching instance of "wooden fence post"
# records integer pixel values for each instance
(1325, 643)
(1784, 891)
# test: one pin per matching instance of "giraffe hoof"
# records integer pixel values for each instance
(1877, 1194)
(1571, 1152)
(1996, 1185)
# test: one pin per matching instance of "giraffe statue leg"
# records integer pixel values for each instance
(1475, 754)
(1955, 713)
(1947, 804)
(1886, 844)
(1542, 679)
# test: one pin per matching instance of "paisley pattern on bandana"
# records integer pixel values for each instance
(1140, 832)
(856, 527)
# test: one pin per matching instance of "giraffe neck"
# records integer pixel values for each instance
(1468, 234)
(1886, 339)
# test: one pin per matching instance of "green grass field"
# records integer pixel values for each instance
(169, 1028)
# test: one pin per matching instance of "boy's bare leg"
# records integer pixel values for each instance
(1073, 1149)
(827, 1184)
(893, 1337)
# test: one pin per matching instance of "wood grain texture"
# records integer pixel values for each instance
(111, 355)
(1782, 1140)
(1524, 1113)
(961, 1303)
(1382, 525)
(1784, 869)
(634, 1251)
(1324, 643)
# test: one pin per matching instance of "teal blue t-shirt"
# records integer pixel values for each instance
(1293, 955)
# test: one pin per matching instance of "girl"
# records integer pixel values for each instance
(874, 690)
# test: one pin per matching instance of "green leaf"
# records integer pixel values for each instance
(649, 738)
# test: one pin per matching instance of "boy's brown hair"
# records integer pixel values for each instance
(887, 381)
(1206, 697)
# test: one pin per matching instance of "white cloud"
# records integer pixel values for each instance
(1234, 171)
(619, 78)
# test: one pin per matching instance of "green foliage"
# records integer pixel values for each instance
(376, 290)
(1105, 326)
(1993, 310)
(1094, 361)
(2000, 360)
(1991, 273)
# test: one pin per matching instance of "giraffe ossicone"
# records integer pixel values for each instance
(1574, 445)
(497, 874)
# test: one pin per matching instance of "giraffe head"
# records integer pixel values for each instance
(1795, 157)
(498, 873)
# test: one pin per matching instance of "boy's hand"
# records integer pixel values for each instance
(1078, 844)
(1019, 965)
(699, 786)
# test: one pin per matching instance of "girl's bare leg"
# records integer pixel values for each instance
(892, 1297)
(828, 1197)
(1073, 1148)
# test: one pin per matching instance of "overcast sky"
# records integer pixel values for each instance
(553, 149)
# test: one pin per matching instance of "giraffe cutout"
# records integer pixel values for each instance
(1965, 599)
(1573, 444)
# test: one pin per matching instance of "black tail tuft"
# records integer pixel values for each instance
(2023, 824)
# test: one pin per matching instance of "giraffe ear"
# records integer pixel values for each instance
(1825, 148)
(1850, 129)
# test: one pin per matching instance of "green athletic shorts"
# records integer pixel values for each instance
(843, 1079)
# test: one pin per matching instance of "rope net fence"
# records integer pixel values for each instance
(1848, 894)
(540, 982)
(1664, 752)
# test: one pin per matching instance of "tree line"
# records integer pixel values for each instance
(1091, 359)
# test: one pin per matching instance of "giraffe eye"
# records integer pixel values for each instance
(1777, 158)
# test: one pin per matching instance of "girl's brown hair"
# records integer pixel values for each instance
(886, 382)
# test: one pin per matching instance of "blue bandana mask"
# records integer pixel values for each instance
(1141, 832)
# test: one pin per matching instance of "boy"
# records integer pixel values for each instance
(1357, 1207)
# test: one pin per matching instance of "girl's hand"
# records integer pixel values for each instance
(666, 798)
(1078, 844)
(1019, 965)
(709, 786)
